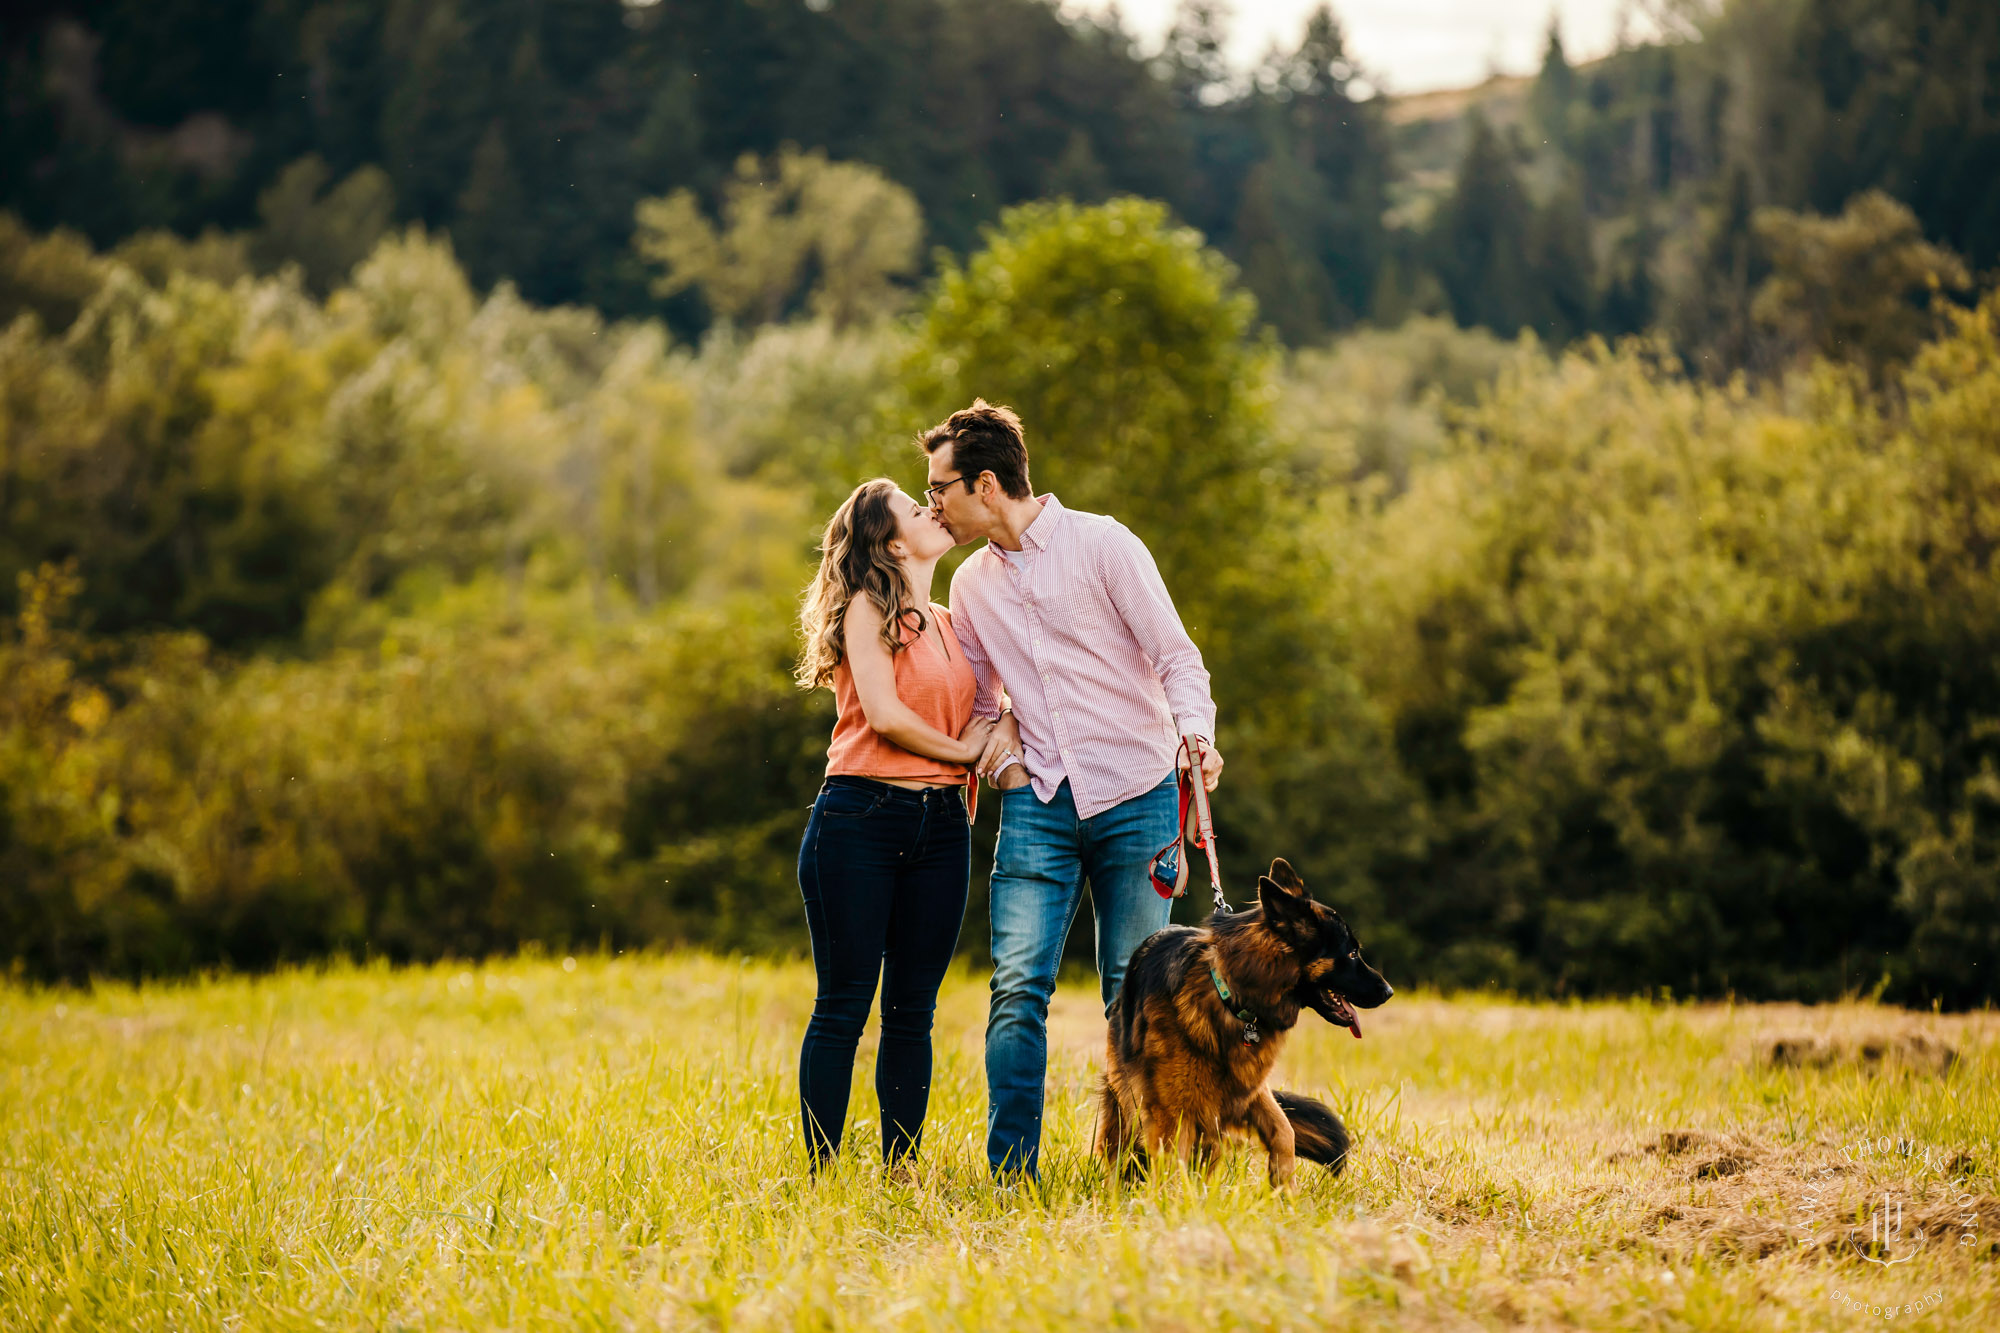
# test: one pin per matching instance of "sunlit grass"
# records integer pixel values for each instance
(613, 1142)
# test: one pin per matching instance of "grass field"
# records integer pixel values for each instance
(613, 1143)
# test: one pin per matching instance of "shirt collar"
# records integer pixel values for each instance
(1039, 533)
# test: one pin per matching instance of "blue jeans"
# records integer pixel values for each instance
(1044, 855)
(883, 871)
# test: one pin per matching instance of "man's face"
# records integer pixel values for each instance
(955, 499)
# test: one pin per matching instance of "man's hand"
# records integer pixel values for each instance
(1211, 765)
(1004, 740)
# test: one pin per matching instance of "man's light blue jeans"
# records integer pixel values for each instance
(1044, 856)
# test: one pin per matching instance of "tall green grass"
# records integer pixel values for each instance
(612, 1142)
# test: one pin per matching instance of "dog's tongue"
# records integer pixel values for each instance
(1354, 1025)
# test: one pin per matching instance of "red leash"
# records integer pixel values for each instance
(1194, 795)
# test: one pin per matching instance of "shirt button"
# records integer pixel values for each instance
(1045, 678)
(1038, 643)
(1065, 752)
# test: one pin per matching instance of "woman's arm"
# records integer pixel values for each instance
(875, 682)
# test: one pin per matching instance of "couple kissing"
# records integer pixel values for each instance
(1060, 673)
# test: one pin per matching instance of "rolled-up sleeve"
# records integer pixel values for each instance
(1132, 581)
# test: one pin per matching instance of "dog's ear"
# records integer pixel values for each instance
(1285, 911)
(1285, 877)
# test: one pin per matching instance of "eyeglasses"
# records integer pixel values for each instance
(935, 494)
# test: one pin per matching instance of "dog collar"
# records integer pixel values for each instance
(1249, 1020)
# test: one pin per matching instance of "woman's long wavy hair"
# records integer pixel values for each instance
(854, 561)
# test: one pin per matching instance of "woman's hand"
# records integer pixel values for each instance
(974, 739)
(1005, 740)
(1003, 744)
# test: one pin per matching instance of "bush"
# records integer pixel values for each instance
(1700, 688)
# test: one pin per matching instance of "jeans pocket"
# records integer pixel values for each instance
(848, 803)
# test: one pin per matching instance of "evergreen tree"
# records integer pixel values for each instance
(1480, 240)
(1629, 303)
(1554, 91)
(1562, 268)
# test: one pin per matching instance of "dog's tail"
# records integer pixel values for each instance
(1320, 1135)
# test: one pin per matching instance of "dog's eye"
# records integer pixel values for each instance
(1354, 953)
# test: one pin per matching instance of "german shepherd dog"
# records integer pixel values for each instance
(1201, 1017)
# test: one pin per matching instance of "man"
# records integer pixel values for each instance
(1066, 612)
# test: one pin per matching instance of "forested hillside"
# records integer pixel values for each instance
(1623, 198)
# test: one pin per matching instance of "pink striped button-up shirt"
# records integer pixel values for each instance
(1078, 628)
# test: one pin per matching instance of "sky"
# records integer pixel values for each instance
(1407, 46)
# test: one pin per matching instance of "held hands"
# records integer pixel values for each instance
(974, 738)
(1211, 765)
(1001, 743)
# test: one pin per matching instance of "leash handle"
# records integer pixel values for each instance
(1204, 823)
(1193, 800)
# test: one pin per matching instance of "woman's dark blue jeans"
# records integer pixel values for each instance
(883, 870)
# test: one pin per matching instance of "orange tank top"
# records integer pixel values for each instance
(936, 689)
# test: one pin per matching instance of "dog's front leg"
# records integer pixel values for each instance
(1117, 1137)
(1276, 1130)
(1170, 1131)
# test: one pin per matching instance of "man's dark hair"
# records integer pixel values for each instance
(984, 438)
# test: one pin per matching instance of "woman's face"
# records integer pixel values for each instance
(921, 535)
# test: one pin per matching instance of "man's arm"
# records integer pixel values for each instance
(1003, 747)
(986, 686)
(1132, 580)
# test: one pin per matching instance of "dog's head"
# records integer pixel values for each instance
(1334, 978)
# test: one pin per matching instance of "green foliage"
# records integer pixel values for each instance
(855, 230)
(326, 232)
(1697, 685)
(546, 620)
(1555, 92)
(1376, 404)
(1851, 288)
(492, 768)
(422, 623)
(1480, 241)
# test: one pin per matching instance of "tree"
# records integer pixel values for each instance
(1480, 240)
(1554, 91)
(1195, 69)
(846, 226)
(326, 232)
(1858, 288)
(1562, 268)
(1309, 228)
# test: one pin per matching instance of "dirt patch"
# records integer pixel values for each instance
(1911, 1050)
(1729, 1164)
(1718, 1155)
(1728, 1230)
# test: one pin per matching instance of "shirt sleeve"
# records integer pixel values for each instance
(986, 686)
(1132, 580)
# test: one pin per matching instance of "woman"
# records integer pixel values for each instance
(885, 860)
